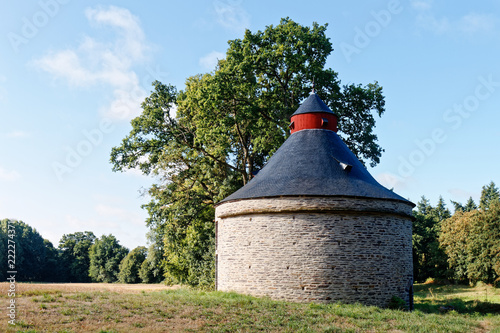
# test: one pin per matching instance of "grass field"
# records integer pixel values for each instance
(157, 308)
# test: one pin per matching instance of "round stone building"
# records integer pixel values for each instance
(314, 225)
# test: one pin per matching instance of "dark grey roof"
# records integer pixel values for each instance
(312, 104)
(313, 162)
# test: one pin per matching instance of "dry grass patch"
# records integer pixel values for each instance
(155, 308)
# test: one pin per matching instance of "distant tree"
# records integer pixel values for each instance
(458, 206)
(151, 270)
(31, 254)
(440, 211)
(423, 206)
(483, 245)
(489, 194)
(106, 255)
(75, 255)
(429, 260)
(470, 239)
(453, 239)
(4, 267)
(470, 205)
(131, 264)
(53, 270)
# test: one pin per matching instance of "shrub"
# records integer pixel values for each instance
(397, 303)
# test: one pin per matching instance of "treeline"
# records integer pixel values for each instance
(463, 247)
(79, 257)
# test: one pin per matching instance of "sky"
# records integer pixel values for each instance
(74, 73)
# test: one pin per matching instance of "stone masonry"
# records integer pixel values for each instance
(319, 249)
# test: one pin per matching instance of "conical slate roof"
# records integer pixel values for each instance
(313, 162)
(312, 104)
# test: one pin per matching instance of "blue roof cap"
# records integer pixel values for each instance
(313, 104)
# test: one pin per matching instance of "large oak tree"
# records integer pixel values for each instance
(206, 141)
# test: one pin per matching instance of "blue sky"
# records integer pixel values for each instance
(73, 74)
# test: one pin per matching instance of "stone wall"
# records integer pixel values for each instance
(316, 249)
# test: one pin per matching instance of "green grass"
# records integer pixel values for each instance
(186, 310)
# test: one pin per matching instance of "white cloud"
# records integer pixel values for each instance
(136, 172)
(231, 15)
(97, 226)
(9, 176)
(477, 23)
(132, 41)
(16, 134)
(209, 61)
(120, 215)
(421, 4)
(173, 111)
(469, 24)
(3, 91)
(437, 25)
(461, 194)
(96, 62)
(391, 181)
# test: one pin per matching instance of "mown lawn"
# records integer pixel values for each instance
(153, 308)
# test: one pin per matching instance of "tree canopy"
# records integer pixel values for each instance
(131, 264)
(463, 247)
(469, 205)
(489, 194)
(105, 256)
(74, 250)
(31, 253)
(470, 240)
(206, 141)
(76, 259)
(429, 260)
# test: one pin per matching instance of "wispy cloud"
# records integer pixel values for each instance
(473, 23)
(118, 214)
(461, 194)
(209, 61)
(231, 15)
(3, 91)
(9, 176)
(96, 225)
(391, 181)
(16, 134)
(110, 63)
(429, 22)
(469, 24)
(421, 4)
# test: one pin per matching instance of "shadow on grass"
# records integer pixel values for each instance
(458, 305)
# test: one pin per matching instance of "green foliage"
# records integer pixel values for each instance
(32, 252)
(130, 265)
(489, 194)
(52, 271)
(151, 270)
(397, 303)
(227, 125)
(469, 206)
(74, 250)
(106, 255)
(470, 239)
(429, 260)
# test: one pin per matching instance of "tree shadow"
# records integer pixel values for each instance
(456, 304)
